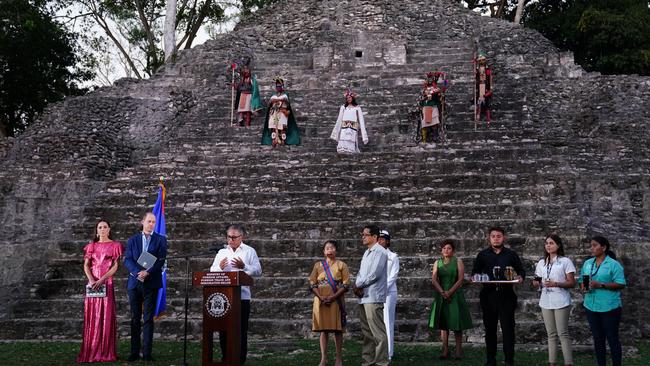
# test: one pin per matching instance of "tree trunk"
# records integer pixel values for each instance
(169, 31)
(520, 11)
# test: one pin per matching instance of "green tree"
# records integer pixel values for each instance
(135, 27)
(39, 63)
(609, 36)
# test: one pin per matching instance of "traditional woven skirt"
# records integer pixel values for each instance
(244, 103)
(430, 116)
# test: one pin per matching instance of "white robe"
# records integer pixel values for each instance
(346, 136)
(391, 299)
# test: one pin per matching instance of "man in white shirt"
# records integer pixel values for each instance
(370, 287)
(391, 296)
(237, 256)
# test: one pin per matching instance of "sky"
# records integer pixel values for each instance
(111, 67)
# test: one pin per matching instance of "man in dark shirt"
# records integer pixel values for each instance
(498, 301)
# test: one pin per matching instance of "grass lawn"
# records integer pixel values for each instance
(298, 352)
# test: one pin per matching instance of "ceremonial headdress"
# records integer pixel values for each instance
(350, 93)
(434, 76)
(482, 57)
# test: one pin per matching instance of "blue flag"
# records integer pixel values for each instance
(159, 212)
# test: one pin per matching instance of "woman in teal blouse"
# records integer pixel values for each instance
(602, 279)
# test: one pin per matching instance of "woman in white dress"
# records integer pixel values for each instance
(348, 125)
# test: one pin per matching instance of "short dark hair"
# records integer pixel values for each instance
(147, 214)
(449, 242)
(238, 227)
(333, 242)
(372, 229)
(497, 228)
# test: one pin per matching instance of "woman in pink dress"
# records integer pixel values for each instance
(100, 325)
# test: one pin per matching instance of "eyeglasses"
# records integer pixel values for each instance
(233, 237)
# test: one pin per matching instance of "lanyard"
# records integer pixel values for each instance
(549, 267)
(592, 274)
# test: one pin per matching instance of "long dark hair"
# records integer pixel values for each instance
(96, 235)
(354, 101)
(560, 247)
(605, 243)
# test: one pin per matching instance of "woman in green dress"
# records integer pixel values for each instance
(449, 310)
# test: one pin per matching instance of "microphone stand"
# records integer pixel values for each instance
(187, 258)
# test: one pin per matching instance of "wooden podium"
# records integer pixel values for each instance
(221, 312)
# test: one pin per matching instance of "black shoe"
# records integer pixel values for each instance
(148, 359)
(133, 358)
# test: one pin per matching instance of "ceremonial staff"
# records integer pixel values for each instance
(474, 82)
(232, 95)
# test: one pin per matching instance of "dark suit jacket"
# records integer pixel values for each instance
(157, 247)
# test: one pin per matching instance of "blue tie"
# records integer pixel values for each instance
(145, 243)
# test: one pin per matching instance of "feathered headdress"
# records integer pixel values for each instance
(278, 80)
(481, 56)
(350, 93)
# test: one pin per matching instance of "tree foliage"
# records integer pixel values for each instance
(135, 27)
(609, 36)
(39, 63)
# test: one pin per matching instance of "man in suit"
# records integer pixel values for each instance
(143, 284)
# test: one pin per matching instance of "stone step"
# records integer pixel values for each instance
(416, 164)
(381, 138)
(344, 212)
(306, 106)
(406, 330)
(277, 183)
(289, 309)
(286, 264)
(334, 229)
(268, 288)
(202, 197)
(495, 154)
(460, 123)
(420, 173)
(349, 247)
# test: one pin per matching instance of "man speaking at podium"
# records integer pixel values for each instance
(237, 256)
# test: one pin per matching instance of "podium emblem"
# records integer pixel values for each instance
(217, 305)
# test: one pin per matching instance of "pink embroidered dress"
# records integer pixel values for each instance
(100, 325)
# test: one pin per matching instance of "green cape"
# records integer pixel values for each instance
(293, 133)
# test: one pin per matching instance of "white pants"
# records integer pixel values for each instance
(389, 320)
